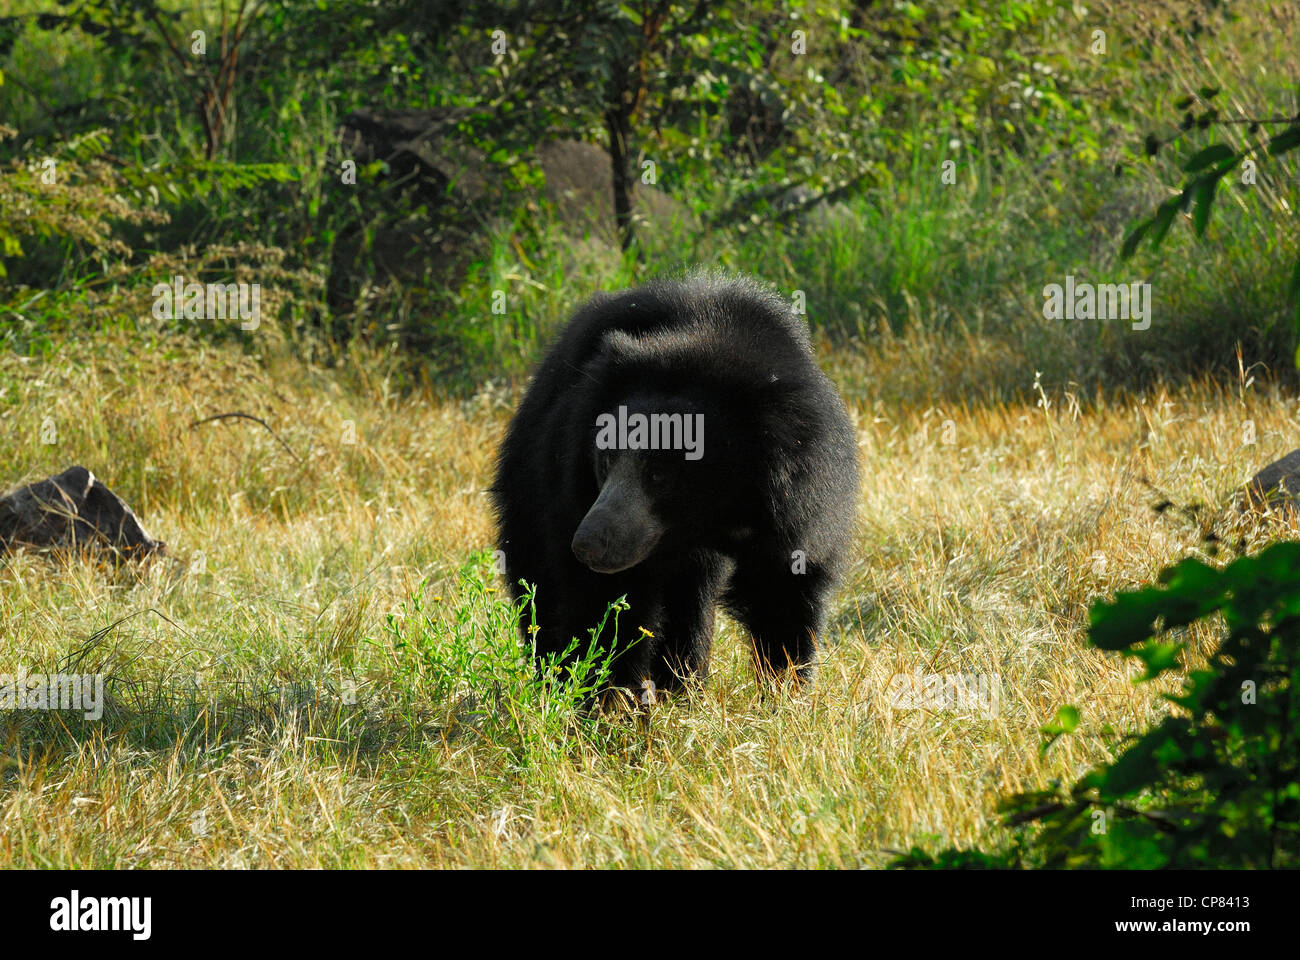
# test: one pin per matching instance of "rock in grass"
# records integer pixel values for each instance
(72, 510)
(1276, 487)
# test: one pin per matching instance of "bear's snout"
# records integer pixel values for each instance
(607, 542)
(621, 528)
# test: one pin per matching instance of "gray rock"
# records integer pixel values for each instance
(73, 509)
(1277, 486)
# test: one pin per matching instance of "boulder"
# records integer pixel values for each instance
(72, 510)
(1276, 487)
(580, 185)
(421, 150)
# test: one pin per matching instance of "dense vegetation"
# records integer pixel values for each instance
(1046, 112)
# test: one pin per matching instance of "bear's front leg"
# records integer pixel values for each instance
(690, 596)
(785, 613)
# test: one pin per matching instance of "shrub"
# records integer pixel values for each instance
(1215, 784)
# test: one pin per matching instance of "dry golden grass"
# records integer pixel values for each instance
(986, 530)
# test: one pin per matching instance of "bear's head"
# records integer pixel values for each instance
(674, 455)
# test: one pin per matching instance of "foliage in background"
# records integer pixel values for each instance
(818, 171)
(70, 214)
(1208, 167)
(71, 198)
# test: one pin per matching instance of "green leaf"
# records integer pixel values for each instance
(1204, 199)
(1135, 767)
(1066, 721)
(1159, 657)
(1134, 238)
(1210, 155)
(1288, 139)
(1164, 217)
(1125, 622)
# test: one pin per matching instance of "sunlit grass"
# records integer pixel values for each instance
(265, 710)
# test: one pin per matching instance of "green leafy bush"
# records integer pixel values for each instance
(1215, 784)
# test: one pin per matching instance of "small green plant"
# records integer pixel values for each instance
(1216, 783)
(465, 656)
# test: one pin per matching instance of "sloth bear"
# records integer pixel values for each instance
(679, 445)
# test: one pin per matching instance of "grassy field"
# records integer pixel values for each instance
(323, 671)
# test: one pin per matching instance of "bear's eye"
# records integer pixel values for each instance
(656, 474)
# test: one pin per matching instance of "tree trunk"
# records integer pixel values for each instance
(616, 122)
